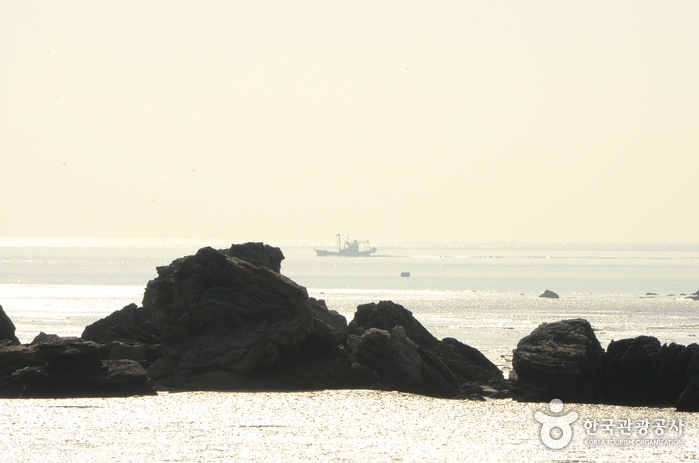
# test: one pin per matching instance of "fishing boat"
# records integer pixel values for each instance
(352, 248)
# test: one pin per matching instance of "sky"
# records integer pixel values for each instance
(389, 121)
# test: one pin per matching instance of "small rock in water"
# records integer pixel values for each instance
(549, 293)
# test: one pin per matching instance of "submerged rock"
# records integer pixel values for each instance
(549, 294)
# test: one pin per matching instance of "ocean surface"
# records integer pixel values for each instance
(484, 294)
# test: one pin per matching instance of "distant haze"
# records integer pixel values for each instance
(391, 120)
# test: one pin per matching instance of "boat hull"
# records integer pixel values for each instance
(367, 253)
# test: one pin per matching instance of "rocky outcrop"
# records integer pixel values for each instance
(558, 360)
(550, 294)
(642, 372)
(53, 366)
(227, 324)
(127, 335)
(390, 349)
(258, 254)
(7, 330)
(564, 360)
(386, 315)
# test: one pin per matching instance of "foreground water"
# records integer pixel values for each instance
(343, 426)
(486, 298)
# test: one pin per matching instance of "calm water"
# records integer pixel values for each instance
(484, 296)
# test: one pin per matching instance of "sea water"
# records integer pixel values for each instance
(485, 295)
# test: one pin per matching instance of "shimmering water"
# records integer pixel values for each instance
(485, 297)
(343, 426)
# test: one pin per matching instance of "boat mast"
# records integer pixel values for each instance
(339, 246)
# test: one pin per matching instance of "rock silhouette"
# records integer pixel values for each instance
(558, 360)
(564, 360)
(7, 330)
(228, 320)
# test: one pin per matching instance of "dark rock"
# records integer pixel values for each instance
(7, 328)
(402, 365)
(641, 372)
(41, 337)
(129, 323)
(67, 367)
(15, 357)
(689, 399)
(69, 354)
(443, 364)
(386, 315)
(473, 371)
(549, 294)
(118, 378)
(222, 318)
(337, 322)
(557, 360)
(258, 254)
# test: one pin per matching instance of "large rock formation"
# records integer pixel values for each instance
(558, 360)
(228, 320)
(227, 324)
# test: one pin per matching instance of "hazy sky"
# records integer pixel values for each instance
(389, 120)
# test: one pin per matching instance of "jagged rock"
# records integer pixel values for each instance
(402, 365)
(130, 323)
(557, 360)
(258, 254)
(225, 322)
(549, 294)
(67, 367)
(473, 371)
(337, 322)
(445, 363)
(386, 315)
(641, 372)
(15, 357)
(7, 328)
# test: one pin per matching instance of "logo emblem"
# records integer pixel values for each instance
(557, 429)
